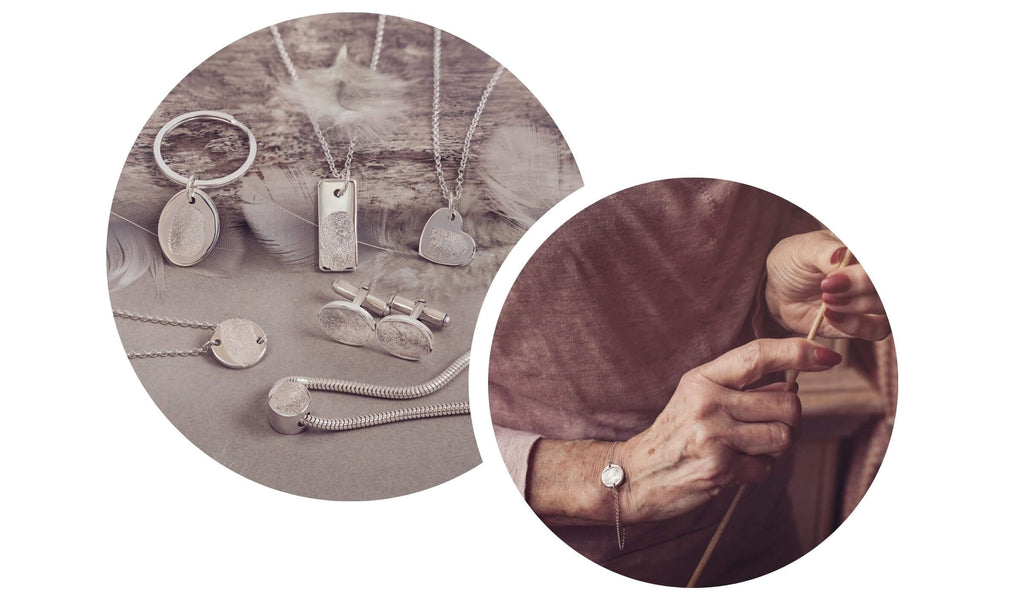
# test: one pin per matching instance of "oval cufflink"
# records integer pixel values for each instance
(405, 335)
(348, 321)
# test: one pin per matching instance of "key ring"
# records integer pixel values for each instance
(195, 116)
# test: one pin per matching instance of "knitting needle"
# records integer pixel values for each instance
(790, 386)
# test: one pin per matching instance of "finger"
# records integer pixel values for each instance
(860, 304)
(825, 252)
(751, 469)
(764, 406)
(760, 438)
(741, 366)
(779, 386)
(869, 327)
(848, 282)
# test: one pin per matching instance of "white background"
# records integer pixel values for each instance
(899, 127)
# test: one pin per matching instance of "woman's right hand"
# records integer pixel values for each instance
(713, 434)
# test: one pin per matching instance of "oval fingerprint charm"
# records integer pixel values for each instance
(443, 240)
(239, 343)
(188, 228)
(347, 323)
(404, 337)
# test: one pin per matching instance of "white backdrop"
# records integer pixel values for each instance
(900, 128)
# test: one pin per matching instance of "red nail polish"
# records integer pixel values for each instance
(830, 299)
(836, 283)
(827, 357)
(834, 316)
(837, 256)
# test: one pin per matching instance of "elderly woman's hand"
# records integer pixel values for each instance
(713, 434)
(803, 273)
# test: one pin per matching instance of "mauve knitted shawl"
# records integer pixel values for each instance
(620, 302)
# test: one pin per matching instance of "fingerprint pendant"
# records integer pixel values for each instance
(188, 228)
(443, 240)
(239, 343)
(337, 206)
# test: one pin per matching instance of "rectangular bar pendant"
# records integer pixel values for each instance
(337, 206)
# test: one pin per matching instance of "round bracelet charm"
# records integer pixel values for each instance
(612, 476)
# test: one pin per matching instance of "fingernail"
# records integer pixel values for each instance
(836, 283)
(837, 256)
(834, 316)
(827, 357)
(830, 299)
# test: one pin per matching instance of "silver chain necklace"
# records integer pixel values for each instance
(443, 239)
(337, 198)
(289, 399)
(236, 342)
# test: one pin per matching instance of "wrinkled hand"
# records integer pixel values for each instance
(712, 434)
(803, 274)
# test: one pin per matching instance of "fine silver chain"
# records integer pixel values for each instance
(377, 44)
(453, 197)
(620, 531)
(129, 315)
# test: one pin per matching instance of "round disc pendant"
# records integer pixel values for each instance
(239, 343)
(347, 323)
(188, 228)
(404, 337)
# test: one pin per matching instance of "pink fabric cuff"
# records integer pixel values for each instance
(515, 447)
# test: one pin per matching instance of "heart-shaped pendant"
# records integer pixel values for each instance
(443, 240)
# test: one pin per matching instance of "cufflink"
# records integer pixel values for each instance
(404, 333)
(348, 321)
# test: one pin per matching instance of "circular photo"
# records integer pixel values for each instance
(301, 238)
(692, 382)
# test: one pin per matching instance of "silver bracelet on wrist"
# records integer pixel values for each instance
(611, 477)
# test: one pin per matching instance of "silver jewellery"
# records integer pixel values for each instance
(443, 240)
(348, 321)
(236, 342)
(405, 336)
(337, 199)
(189, 224)
(611, 477)
(288, 401)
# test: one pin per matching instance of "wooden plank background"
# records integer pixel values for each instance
(398, 172)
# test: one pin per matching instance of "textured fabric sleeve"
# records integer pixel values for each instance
(764, 326)
(515, 447)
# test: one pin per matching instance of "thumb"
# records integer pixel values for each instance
(744, 365)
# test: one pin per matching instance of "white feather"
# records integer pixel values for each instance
(131, 253)
(522, 169)
(280, 210)
(348, 97)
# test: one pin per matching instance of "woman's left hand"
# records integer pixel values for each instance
(803, 273)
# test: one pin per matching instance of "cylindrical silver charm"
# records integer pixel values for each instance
(287, 406)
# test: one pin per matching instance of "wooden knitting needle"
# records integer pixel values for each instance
(790, 386)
